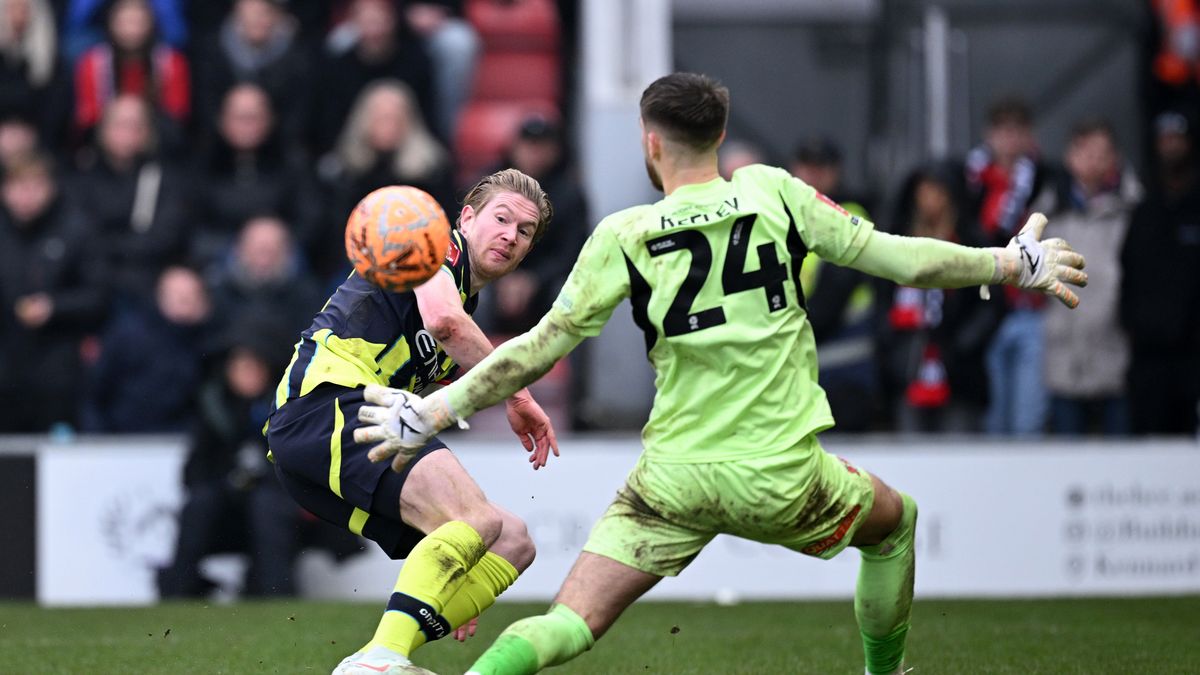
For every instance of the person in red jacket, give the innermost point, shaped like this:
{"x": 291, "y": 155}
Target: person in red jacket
{"x": 131, "y": 61}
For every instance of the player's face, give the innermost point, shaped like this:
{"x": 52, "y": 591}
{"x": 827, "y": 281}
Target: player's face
{"x": 500, "y": 234}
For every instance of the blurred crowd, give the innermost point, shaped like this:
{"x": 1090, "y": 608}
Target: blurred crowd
{"x": 174, "y": 182}
{"x": 175, "y": 179}
{"x": 1126, "y": 361}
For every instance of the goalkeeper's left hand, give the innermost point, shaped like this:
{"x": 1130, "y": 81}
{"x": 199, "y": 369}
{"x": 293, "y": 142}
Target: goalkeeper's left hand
{"x": 1046, "y": 266}
{"x": 401, "y": 422}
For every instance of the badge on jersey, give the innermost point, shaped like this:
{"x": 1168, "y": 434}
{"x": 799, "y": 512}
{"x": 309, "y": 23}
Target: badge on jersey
{"x": 854, "y": 220}
{"x": 453, "y": 253}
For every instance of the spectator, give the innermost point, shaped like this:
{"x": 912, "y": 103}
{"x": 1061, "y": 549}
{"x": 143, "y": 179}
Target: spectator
{"x": 1160, "y": 288}
{"x": 248, "y": 171}
{"x": 81, "y": 31}
{"x": 840, "y": 302}
{"x": 137, "y": 204}
{"x": 32, "y": 77}
{"x": 735, "y": 154}
{"x": 524, "y": 295}
{"x": 932, "y": 340}
{"x": 18, "y": 138}
{"x": 1087, "y": 352}
{"x": 132, "y": 61}
{"x": 385, "y": 142}
{"x": 259, "y": 43}
{"x": 233, "y": 502}
{"x": 265, "y": 273}
{"x": 149, "y": 365}
{"x": 1003, "y": 175}
{"x": 381, "y": 47}
{"x": 453, "y": 47}
{"x": 52, "y": 294}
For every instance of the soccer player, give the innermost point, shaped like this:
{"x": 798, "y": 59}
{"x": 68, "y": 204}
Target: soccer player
{"x": 712, "y": 272}
{"x": 460, "y": 550}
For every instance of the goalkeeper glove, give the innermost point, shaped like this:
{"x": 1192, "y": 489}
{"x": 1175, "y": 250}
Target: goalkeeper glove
{"x": 1046, "y": 266}
{"x": 401, "y": 422}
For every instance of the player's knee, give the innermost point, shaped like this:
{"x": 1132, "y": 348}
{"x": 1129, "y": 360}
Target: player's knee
{"x": 486, "y": 520}
{"x": 515, "y": 545}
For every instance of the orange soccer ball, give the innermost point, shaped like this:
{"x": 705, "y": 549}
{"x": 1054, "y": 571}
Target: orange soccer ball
{"x": 397, "y": 237}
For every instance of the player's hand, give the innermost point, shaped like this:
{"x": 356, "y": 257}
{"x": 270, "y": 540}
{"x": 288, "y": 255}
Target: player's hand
{"x": 530, "y": 423}
{"x": 1046, "y": 266}
{"x": 466, "y": 630}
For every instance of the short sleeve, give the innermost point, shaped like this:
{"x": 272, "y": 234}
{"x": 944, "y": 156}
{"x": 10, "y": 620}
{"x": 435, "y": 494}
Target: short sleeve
{"x": 598, "y": 282}
{"x": 830, "y": 231}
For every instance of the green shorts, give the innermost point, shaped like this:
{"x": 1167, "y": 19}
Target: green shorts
{"x": 805, "y": 499}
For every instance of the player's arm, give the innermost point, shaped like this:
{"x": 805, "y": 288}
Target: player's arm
{"x": 1027, "y": 262}
{"x": 401, "y": 422}
{"x": 848, "y": 240}
{"x": 442, "y": 312}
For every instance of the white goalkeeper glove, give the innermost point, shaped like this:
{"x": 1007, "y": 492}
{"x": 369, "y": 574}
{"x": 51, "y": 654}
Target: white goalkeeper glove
{"x": 1046, "y": 266}
{"x": 401, "y": 422}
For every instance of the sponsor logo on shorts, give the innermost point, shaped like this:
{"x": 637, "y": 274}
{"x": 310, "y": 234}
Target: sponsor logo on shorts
{"x": 833, "y": 539}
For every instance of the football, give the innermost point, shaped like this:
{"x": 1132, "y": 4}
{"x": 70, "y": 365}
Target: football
{"x": 397, "y": 237}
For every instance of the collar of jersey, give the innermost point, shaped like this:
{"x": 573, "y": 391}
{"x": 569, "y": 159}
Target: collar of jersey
{"x": 693, "y": 189}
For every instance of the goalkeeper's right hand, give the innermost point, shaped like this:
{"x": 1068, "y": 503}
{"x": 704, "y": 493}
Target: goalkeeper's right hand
{"x": 1046, "y": 266}
{"x": 402, "y": 422}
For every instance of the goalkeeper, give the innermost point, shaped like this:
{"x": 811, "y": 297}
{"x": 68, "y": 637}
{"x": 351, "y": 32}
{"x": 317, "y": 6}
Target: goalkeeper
{"x": 712, "y": 272}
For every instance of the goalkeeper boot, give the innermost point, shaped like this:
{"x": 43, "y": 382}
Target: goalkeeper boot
{"x": 378, "y": 661}
{"x": 899, "y": 671}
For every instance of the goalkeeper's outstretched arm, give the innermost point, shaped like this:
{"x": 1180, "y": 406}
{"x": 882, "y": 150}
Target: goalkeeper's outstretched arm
{"x": 1027, "y": 262}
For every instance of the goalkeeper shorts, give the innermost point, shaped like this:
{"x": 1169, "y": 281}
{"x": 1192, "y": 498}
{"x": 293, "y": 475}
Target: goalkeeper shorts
{"x": 805, "y": 499}
{"x": 316, "y": 459}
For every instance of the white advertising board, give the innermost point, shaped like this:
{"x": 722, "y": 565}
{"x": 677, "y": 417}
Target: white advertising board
{"x": 997, "y": 519}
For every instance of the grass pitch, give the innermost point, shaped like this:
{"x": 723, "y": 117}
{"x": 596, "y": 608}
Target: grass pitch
{"x": 1140, "y": 635}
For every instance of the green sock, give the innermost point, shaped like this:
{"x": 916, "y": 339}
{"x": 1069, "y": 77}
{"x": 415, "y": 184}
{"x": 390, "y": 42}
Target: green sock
{"x": 883, "y": 598}
{"x": 537, "y": 642}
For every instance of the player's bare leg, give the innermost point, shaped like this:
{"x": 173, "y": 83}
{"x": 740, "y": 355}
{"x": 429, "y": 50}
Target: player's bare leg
{"x": 464, "y": 533}
{"x": 883, "y": 598}
{"x": 595, "y": 593}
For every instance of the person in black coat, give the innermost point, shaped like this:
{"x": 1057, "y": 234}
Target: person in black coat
{"x": 150, "y": 360}
{"x": 382, "y": 47}
{"x": 137, "y": 203}
{"x": 259, "y": 42}
{"x": 53, "y": 293}
{"x": 234, "y": 502}
{"x": 1160, "y": 288}
{"x": 265, "y": 273}
{"x": 248, "y": 171}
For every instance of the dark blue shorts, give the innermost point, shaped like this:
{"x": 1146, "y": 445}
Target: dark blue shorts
{"x": 312, "y": 441}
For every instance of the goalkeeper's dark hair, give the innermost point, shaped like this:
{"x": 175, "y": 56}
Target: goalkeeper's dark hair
{"x": 687, "y": 108}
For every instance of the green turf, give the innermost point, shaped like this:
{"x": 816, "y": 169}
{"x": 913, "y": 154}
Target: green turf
{"x": 1144, "y": 635}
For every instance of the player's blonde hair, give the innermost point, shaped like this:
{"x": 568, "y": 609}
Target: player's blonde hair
{"x": 512, "y": 180}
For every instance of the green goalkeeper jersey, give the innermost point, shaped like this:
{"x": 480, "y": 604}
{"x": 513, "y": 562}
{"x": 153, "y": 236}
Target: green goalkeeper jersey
{"x": 712, "y": 272}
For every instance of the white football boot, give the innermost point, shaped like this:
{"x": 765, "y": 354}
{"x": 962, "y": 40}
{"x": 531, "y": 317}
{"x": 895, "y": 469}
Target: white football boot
{"x": 378, "y": 661}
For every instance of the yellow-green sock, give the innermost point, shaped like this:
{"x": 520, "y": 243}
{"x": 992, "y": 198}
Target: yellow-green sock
{"x": 433, "y": 573}
{"x": 490, "y": 577}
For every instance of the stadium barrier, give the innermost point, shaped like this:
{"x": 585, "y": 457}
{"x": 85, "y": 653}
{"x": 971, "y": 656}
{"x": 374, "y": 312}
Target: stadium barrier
{"x": 1012, "y": 519}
